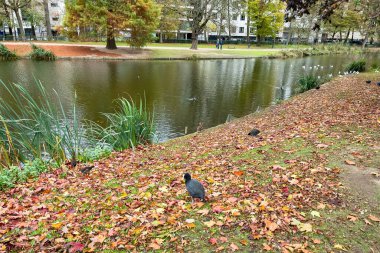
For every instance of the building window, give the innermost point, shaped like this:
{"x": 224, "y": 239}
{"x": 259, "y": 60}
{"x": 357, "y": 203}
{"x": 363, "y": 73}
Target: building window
{"x": 233, "y": 29}
{"x": 55, "y": 18}
{"x": 251, "y": 30}
{"x": 234, "y": 17}
{"x": 54, "y": 4}
{"x": 241, "y": 29}
{"x": 242, "y": 17}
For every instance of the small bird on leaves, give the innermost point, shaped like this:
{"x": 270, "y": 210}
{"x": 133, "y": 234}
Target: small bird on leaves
{"x": 254, "y": 132}
{"x": 368, "y": 81}
{"x": 87, "y": 169}
{"x": 194, "y": 187}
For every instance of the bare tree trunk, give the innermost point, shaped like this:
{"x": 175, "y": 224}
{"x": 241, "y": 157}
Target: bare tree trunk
{"x": 20, "y": 24}
{"x": 47, "y": 19}
{"x": 33, "y": 32}
{"x": 365, "y": 40}
{"x": 161, "y": 37}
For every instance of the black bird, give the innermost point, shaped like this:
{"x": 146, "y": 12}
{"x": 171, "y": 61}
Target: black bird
{"x": 368, "y": 81}
{"x": 73, "y": 163}
{"x": 254, "y": 132}
{"x": 317, "y": 88}
{"x": 87, "y": 169}
{"x": 378, "y": 83}
{"x": 194, "y": 187}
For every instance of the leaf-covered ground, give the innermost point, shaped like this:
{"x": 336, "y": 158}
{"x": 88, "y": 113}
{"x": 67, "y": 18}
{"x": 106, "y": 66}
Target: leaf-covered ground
{"x": 308, "y": 183}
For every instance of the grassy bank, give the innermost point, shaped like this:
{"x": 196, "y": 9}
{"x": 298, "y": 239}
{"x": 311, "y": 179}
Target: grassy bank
{"x": 307, "y": 183}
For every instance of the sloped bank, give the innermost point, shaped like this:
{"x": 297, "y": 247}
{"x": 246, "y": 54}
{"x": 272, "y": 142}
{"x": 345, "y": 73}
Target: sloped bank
{"x": 279, "y": 191}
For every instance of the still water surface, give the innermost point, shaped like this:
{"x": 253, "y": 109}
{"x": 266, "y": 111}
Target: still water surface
{"x": 182, "y": 93}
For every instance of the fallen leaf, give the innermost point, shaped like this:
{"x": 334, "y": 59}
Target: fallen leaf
{"x": 352, "y": 218}
{"x": 76, "y": 247}
{"x": 315, "y": 214}
{"x": 213, "y": 241}
{"x": 238, "y": 173}
{"x": 305, "y": 227}
{"x": 57, "y": 225}
{"x": 267, "y": 247}
{"x": 209, "y": 224}
{"x": 234, "y": 247}
{"x": 154, "y": 246}
{"x": 340, "y": 247}
{"x": 373, "y": 218}
{"x": 190, "y": 220}
{"x": 317, "y": 241}
{"x": 349, "y": 162}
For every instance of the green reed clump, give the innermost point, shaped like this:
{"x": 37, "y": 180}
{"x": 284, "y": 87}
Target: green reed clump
{"x": 356, "y": 66}
{"x": 308, "y": 82}
{"x": 6, "y": 54}
{"x": 129, "y": 126}
{"x": 40, "y": 54}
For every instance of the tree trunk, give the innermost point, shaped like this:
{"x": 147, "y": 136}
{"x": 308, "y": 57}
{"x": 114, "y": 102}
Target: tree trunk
{"x": 229, "y": 20}
{"x": 206, "y": 37}
{"x": 248, "y": 25}
{"x": 33, "y": 32}
{"x": 111, "y": 43}
{"x": 347, "y": 35}
{"x": 161, "y": 37}
{"x": 194, "y": 40}
{"x": 20, "y": 24}
{"x": 47, "y": 19}
{"x": 365, "y": 40}
{"x": 289, "y": 34}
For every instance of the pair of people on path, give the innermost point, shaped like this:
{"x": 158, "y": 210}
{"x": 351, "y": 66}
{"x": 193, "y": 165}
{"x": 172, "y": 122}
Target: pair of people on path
{"x": 219, "y": 44}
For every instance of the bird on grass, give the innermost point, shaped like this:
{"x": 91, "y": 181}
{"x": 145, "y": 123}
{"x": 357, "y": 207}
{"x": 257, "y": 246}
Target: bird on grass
{"x": 378, "y": 83}
{"x": 368, "y": 81}
{"x": 194, "y": 187}
{"x": 87, "y": 169}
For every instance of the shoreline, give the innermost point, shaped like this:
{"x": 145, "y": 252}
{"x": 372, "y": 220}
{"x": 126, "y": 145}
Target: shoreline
{"x": 124, "y": 53}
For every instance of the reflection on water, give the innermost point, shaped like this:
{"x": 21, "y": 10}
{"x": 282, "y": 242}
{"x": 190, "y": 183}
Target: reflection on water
{"x": 182, "y": 93}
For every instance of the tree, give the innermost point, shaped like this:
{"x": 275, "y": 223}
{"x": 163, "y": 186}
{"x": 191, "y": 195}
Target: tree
{"x": 298, "y": 8}
{"x": 198, "y": 13}
{"x": 370, "y": 18}
{"x": 266, "y": 16}
{"x": 16, "y": 6}
{"x": 34, "y": 16}
{"x": 114, "y": 17}
{"x": 169, "y": 19}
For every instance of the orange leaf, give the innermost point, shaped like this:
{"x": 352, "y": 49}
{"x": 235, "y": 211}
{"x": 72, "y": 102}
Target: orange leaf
{"x": 213, "y": 241}
{"x": 267, "y": 247}
{"x": 238, "y": 173}
{"x": 373, "y": 218}
{"x": 352, "y": 218}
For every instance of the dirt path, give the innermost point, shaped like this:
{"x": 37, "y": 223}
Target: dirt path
{"x": 293, "y": 188}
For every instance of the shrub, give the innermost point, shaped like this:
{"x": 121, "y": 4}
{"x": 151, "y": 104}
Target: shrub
{"x": 40, "y": 54}
{"x": 6, "y": 54}
{"x": 308, "y": 82}
{"x": 356, "y": 66}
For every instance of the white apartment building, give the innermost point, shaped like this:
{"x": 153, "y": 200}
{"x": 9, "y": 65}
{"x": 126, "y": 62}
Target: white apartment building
{"x": 56, "y": 13}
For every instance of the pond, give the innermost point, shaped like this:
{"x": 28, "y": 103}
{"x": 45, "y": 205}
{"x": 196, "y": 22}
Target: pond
{"x": 183, "y": 94}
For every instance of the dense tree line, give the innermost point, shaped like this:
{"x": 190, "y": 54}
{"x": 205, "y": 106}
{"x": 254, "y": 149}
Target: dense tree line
{"x": 137, "y": 20}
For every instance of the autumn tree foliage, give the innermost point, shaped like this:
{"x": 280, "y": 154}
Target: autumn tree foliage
{"x": 267, "y": 17}
{"x": 112, "y": 18}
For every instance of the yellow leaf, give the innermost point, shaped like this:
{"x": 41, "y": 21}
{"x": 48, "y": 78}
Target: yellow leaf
{"x": 340, "y": 247}
{"x": 57, "y": 225}
{"x": 305, "y": 227}
{"x": 123, "y": 195}
{"x": 190, "y": 225}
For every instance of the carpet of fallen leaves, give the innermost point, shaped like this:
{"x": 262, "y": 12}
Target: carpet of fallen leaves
{"x": 264, "y": 193}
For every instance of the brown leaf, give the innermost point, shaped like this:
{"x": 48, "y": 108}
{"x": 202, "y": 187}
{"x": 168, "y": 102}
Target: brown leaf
{"x": 349, "y": 162}
{"x": 373, "y": 218}
{"x": 352, "y": 218}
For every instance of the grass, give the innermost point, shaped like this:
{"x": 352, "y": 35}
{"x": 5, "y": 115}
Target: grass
{"x": 40, "y": 54}
{"x": 320, "y": 50}
{"x": 6, "y": 54}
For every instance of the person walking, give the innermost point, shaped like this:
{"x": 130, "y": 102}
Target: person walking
{"x": 221, "y": 44}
